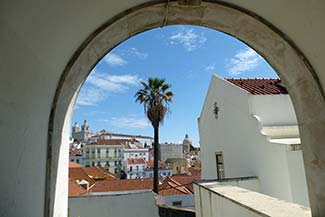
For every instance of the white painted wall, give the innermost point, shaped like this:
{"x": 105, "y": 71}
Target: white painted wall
{"x": 38, "y": 38}
{"x": 245, "y": 150}
{"x": 114, "y": 205}
{"x": 229, "y": 201}
{"x": 274, "y": 109}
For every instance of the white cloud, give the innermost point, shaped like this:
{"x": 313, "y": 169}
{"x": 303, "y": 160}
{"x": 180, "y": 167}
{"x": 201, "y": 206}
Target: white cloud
{"x": 134, "y": 51}
{"x": 128, "y": 122}
{"x": 188, "y": 38}
{"x": 99, "y": 85}
{"x": 113, "y": 83}
{"x": 210, "y": 68}
{"x": 245, "y": 60}
{"x": 114, "y": 59}
{"x": 89, "y": 96}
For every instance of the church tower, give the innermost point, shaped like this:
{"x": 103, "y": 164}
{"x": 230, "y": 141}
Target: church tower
{"x": 186, "y": 144}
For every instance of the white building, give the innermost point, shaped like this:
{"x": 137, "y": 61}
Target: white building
{"x": 134, "y": 168}
{"x": 145, "y": 141}
{"x": 135, "y": 150}
{"x": 248, "y": 127}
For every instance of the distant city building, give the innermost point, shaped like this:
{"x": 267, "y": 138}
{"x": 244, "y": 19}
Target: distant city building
{"x": 171, "y": 151}
{"x": 145, "y": 141}
{"x": 134, "y": 168}
{"x": 177, "y": 165}
{"x": 107, "y": 153}
{"x": 75, "y": 155}
{"x": 135, "y": 150}
{"x": 186, "y": 144}
{"x": 162, "y": 170}
{"x": 82, "y": 134}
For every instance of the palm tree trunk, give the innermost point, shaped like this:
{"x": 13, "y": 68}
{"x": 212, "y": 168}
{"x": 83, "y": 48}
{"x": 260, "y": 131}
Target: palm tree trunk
{"x": 155, "y": 162}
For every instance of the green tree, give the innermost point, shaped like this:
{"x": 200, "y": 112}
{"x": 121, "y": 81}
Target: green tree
{"x": 155, "y": 96}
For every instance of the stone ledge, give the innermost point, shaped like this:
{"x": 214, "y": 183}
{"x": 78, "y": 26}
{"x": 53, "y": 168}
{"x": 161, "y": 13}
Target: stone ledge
{"x": 258, "y": 203}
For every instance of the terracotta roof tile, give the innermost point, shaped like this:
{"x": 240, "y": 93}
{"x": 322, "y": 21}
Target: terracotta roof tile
{"x": 74, "y": 165}
{"x": 136, "y": 161}
{"x": 259, "y": 86}
{"x": 194, "y": 171}
{"x": 75, "y": 189}
{"x": 123, "y": 185}
{"x": 149, "y": 163}
{"x": 111, "y": 142}
{"x": 75, "y": 152}
{"x": 182, "y": 184}
{"x": 79, "y": 174}
{"x": 98, "y": 173}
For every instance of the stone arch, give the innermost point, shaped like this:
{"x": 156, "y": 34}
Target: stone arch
{"x": 289, "y": 62}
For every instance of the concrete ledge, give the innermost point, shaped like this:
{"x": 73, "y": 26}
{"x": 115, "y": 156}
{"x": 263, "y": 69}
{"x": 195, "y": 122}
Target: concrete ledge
{"x": 252, "y": 203}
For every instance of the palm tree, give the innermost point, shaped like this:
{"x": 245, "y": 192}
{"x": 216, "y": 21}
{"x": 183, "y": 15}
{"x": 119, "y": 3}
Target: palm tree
{"x": 155, "y": 97}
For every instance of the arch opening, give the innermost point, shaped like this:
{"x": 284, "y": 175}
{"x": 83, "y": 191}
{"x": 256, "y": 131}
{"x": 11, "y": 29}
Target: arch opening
{"x": 284, "y": 57}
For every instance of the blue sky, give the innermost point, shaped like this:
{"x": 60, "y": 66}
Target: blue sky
{"x": 186, "y": 56}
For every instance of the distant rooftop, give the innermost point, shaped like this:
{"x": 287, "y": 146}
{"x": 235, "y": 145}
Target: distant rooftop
{"x": 112, "y": 142}
{"x": 260, "y": 86}
{"x": 136, "y": 161}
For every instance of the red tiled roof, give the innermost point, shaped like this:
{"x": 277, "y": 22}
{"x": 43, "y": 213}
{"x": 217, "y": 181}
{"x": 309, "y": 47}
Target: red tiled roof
{"x": 123, "y": 185}
{"x": 194, "y": 171}
{"x": 75, "y": 152}
{"x": 78, "y": 173}
{"x": 136, "y": 161}
{"x": 74, "y": 165}
{"x": 149, "y": 163}
{"x": 98, "y": 173}
{"x": 181, "y": 184}
{"x": 111, "y": 142}
{"x": 259, "y": 86}
{"x": 75, "y": 189}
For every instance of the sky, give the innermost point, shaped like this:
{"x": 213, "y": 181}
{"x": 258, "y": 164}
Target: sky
{"x": 186, "y": 56}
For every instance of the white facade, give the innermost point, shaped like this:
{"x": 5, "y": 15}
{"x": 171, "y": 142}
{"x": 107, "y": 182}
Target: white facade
{"x": 134, "y": 168}
{"x": 145, "y": 141}
{"x": 162, "y": 172}
{"x": 136, "y": 152}
{"x": 257, "y": 135}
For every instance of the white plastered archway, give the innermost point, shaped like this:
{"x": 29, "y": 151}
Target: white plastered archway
{"x": 290, "y": 64}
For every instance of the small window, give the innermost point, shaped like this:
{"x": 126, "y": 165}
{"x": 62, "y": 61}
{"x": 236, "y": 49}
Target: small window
{"x": 93, "y": 163}
{"x": 177, "y": 203}
{"x": 77, "y": 160}
{"x": 220, "y": 165}
{"x": 98, "y": 150}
